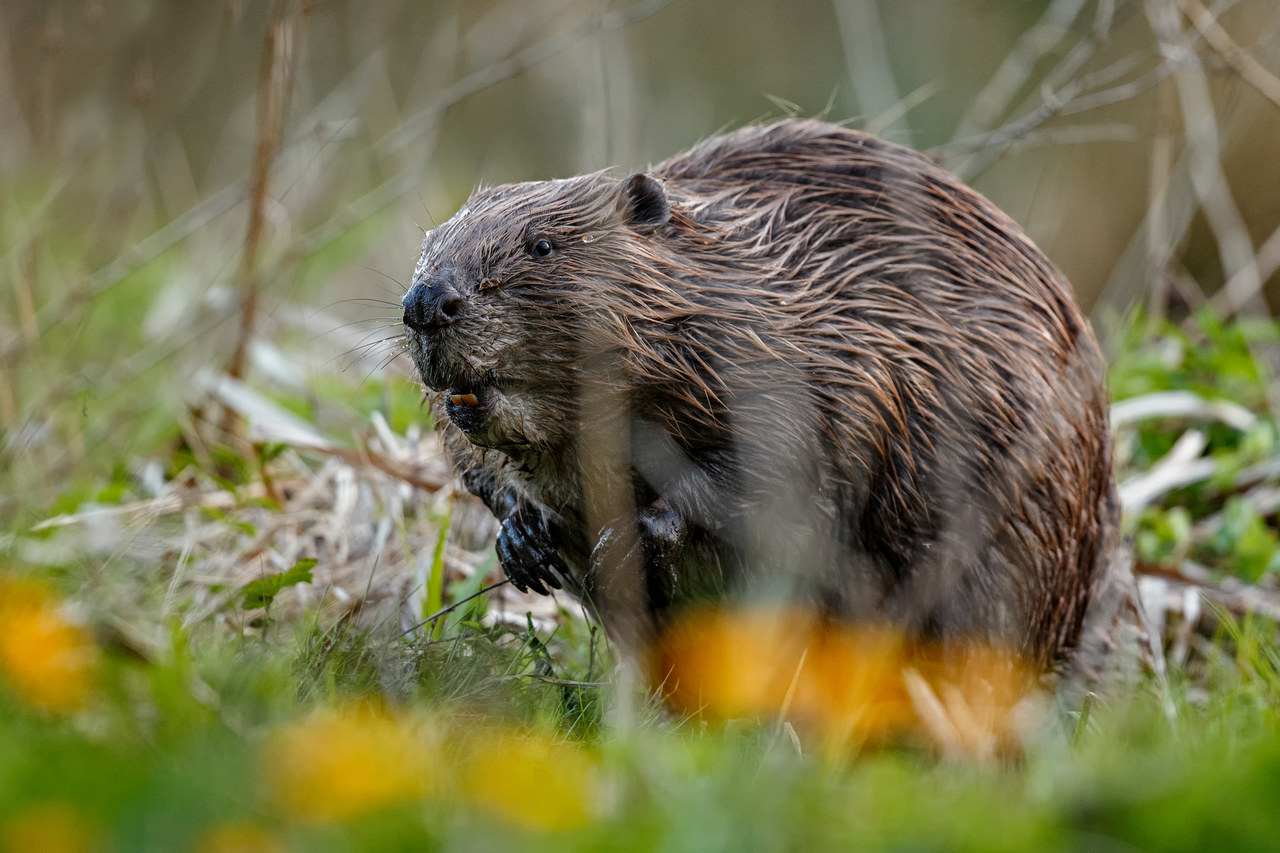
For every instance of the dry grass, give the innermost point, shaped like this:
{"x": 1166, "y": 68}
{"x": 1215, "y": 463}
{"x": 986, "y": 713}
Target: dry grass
{"x": 185, "y": 410}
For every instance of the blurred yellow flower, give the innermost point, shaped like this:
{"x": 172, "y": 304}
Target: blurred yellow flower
{"x": 239, "y": 838}
{"x": 852, "y": 688}
{"x": 531, "y": 781}
{"x": 726, "y": 664}
{"x": 50, "y": 662}
{"x": 844, "y": 684}
{"x": 335, "y": 766}
{"x": 49, "y": 827}
{"x": 967, "y": 697}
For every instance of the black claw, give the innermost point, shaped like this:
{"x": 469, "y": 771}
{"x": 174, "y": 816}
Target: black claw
{"x": 527, "y": 550}
{"x": 503, "y": 547}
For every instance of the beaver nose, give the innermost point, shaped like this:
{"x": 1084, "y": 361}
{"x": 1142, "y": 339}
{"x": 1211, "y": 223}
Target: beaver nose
{"x": 432, "y": 304}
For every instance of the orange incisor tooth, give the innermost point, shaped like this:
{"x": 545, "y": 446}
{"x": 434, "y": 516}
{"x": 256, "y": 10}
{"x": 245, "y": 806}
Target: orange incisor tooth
{"x": 464, "y": 400}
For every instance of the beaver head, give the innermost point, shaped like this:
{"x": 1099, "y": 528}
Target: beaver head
{"x": 476, "y": 314}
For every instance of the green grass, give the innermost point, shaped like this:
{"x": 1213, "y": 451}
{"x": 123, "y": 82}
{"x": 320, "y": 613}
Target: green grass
{"x": 207, "y": 721}
{"x": 178, "y": 743}
{"x": 170, "y": 680}
{"x": 175, "y": 749}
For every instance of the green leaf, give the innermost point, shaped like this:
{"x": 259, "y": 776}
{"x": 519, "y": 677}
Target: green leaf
{"x": 262, "y": 591}
{"x": 270, "y": 451}
{"x": 435, "y": 583}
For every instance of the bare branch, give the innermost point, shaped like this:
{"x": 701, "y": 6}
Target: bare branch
{"x": 1249, "y": 69}
{"x": 993, "y": 101}
{"x": 1204, "y": 147}
{"x": 1266, "y": 263}
{"x": 274, "y": 79}
{"x": 532, "y": 55}
{"x": 1160, "y": 241}
{"x": 1181, "y": 404}
{"x": 1181, "y": 466}
{"x": 1061, "y": 87}
{"x": 867, "y": 59}
{"x": 227, "y": 198}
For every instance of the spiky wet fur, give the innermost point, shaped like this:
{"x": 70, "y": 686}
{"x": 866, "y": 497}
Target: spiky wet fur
{"x": 855, "y": 380}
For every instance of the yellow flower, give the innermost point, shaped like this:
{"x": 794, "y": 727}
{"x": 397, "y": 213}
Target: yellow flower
{"x": 967, "y": 697}
{"x": 852, "y": 688}
{"x": 727, "y": 664}
{"x": 50, "y": 827}
{"x": 531, "y": 781}
{"x": 335, "y": 766}
{"x": 49, "y": 661}
{"x": 845, "y": 684}
{"x": 239, "y": 838}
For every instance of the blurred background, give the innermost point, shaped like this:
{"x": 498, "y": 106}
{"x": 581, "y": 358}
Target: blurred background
{"x": 222, "y": 507}
{"x": 146, "y": 110}
{"x": 166, "y": 166}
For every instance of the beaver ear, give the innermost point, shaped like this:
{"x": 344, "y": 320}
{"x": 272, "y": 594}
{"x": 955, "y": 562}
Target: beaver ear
{"x": 642, "y": 203}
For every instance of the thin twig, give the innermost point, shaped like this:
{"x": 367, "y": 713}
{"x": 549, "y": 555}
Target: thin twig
{"x": 1237, "y": 597}
{"x": 274, "y": 80}
{"x": 535, "y": 54}
{"x": 559, "y": 682}
{"x": 1204, "y": 145}
{"x": 1160, "y": 245}
{"x": 866, "y": 58}
{"x": 1249, "y": 69}
{"x": 993, "y": 101}
{"x": 144, "y": 252}
{"x": 1266, "y": 263}
{"x": 1062, "y": 86}
{"x": 454, "y": 606}
{"x": 224, "y": 200}
{"x": 1209, "y": 180}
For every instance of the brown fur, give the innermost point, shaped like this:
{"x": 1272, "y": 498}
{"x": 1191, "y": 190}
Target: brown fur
{"x": 844, "y": 376}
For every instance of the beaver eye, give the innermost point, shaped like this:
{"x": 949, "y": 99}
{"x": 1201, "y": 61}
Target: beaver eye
{"x": 541, "y": 248}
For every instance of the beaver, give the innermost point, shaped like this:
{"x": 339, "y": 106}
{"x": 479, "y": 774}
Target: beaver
{"x": 796, "y": 361}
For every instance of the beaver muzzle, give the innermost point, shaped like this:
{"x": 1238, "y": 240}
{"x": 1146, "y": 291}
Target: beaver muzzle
{"x": 432, "y": 304}
{"x": 432, "y": 308}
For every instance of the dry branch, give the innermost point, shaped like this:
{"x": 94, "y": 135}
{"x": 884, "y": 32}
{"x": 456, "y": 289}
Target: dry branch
{"x": 275, "y": 78}
{"x": 1181, "y": 404}
{"x": 993, "y": 101}
{"x": 534, "y": 54}
{"x": 1181, "y": 466}
{"x": 1063, "y": 86}
{"x": 1249, "y": 69}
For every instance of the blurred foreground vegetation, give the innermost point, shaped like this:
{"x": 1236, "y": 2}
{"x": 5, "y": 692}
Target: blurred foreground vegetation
{"x": 241, "y": 607}
{"x": 129, "y": 726}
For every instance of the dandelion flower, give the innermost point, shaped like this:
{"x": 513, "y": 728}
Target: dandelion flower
{"x": 531, "y": 781}
{"x": 50, "y": 827}
{"x": 45, "y": 658}
{"x": 335, "y": 766}
{"x": 239, "y": 838}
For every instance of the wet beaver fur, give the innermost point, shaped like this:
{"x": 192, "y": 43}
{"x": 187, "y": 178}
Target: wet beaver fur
{"x": 795, "y": 362}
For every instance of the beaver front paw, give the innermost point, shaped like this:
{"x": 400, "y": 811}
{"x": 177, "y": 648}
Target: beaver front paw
{"x": 528, "y": 552}
{"x": 637, "y": 554}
